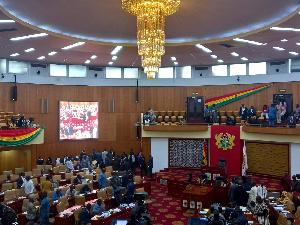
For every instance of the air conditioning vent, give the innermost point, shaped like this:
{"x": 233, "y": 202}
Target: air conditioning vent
{"x": 38, "y": 65}
{"x": 96, "y": 68}
{"x": 8, "y": 29}
{"x": 227, "y": 46}
{"x": 295, "y": 70}
{"x": 277, "y": 63}
{"x": 201, "y": 68}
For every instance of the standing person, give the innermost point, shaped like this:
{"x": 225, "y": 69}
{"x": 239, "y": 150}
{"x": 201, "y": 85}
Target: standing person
{"x": 98, "y": 207}
{"x": 285, "y": 182}
{"x": 262, "y": 190}
{"x": 232, "y": 190}
{"x": 86, "y": 215}
{"x": 252, "y": 111}
{"x": 132, "y": 161}
{"x": 243, "y": 112}
{"x": 45, "y": 208}
{"x": 152, "y": 116}
{"x": 261, "y": 211}
{"x": 150, "y": 165}
{"x": 104, "y": 153}
{"x": 115, "y": 180}
{"x": 215, "y": 113}
{"x": 294, "y": 183}
{"x": 207, "y": 114}
{"x": 143, "y": 165}
{"x": 46, "y": 185}
{"x": 102, "y": 180}
{"x": 278, "y": 112}
{"x": 265, "y": 112}
{"x": 28, "y": 186}
{"x": 272, "y": 114}
{"x": 40, "y": 161}
{"x": 85, "y": 162}
{"x": 98, "y": 158}
{"x": 112, "y": 152}
{"x": 81, "y": 154}
{"x": 297, "y": 111}
{"x": 130, "y": 191}
{"x": 31, "y": 210}
{"x": 240, "y": 195}
{"x": 93, "y": 155}
{"x": 252, "y": 193}
{"x": 69, "y": 165}
{"x": 20, "y": 180}
{"x": 283, "y": 110}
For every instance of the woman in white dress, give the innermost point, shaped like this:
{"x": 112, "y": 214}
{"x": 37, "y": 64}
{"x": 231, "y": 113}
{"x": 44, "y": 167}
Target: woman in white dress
{"x": 252, "y": 193}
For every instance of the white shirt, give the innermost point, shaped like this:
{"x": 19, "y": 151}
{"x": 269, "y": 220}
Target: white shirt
{"x": 69, "y": 165}
{"x": 28, "y": 187}
{"x": 252, "y": 195}
{"x": 262, "y": 191}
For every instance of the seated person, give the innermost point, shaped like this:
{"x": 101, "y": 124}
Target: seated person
{"x": 85, "y": 189}
{"x": 137, "y": 211}
{"x": 251, "y": 112}
{"x": 71, "y": 192}
{"x": 292, "y": 121}
{"x": 229, "y": 121}
{"x": 265, "y": 112}
{"x": 202, "y": 179}
{"x": 56, "y": 195}
{"x": 54, "y": 185}
{"x": 86, "y": 215}
{"x": 98, "y": 207}
{"x": 77, "y": 166}
{"x": 77, "y": 180}
{"x": 40, "y": 161}
{"x": 130, "y": 191}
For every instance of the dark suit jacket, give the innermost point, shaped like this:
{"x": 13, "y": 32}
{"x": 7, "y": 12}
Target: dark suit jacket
{"x": 243, "y": 115}
{"x": 150, "y": 163}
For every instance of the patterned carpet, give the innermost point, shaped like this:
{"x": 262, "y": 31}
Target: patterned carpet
{"x": 165, "y": 209}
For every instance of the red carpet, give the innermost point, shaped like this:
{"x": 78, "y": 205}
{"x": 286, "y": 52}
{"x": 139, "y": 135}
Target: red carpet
{"x": 165, "y": 209}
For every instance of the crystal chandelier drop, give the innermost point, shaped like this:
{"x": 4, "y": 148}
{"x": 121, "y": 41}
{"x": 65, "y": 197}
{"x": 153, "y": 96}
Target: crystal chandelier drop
{"x": 151, "y": 29}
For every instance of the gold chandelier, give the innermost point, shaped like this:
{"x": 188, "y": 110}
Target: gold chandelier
{"x": 151, "y": 29}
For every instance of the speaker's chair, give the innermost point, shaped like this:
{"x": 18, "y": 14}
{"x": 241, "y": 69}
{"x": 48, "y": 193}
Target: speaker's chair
{"x": 222, "y": 162}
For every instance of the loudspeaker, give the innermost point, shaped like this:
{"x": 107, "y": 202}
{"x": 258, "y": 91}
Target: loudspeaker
{"x": 15, "y": 93}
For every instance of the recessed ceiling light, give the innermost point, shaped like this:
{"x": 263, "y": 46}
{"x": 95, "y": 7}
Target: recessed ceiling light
{"x": 87, "y": 61}
{"x": 41, "y": 57}
{"x": 28, "y": 36}
{"x": 93, "y": 57}
{"x": 7, "y": 21}
{"x": 285, "y": 29}
{"x": 73, "y": 45}
{"x": 279, "y": 48}
{"x": 116, "y": 50}
{"x": 234, "y": 54}
{"x": 114, "y": 57}
{"x": 284, "y": 40}
{"x": 297, "y": 43}
{"x": 52, "y": 53}
{"x": 173, "y": 58}
{"x": 203, "y": 48}
{"x": 294, "y": 53}
{"x": 29, "y": 50}
{"x": 175, "y": 63}
{"x": 214, "y": 56}
{"x": 249, "y": 42}
{"x": 15, "y": 54}
{"x": 220, "y": 60}
{"x": 110, "y": 63}
{"x": 244, "y": 58}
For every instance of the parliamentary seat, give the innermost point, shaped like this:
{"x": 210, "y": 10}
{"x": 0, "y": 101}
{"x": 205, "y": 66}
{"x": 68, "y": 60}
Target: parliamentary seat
{"x": 56, "y": 178}
{"x": 101, "y": 193}
{"x": 222, "y": 113}
{"x": 109, "y": 169}
{"x": 108, "y": 174}
{"x": 7, "y": 186}
{"x": 29, "y": 173}
{"x": 77, "y": 213}
{"x": 56, "y": 169}
{"x": 156, "y": 113}
{"x": 173, "y": 119}
{"x": 24, "y": 205}
{"x": 7, "y": 172}
{"x": 236, "y": 113}
{"x": 169, "y": 113}
{"x": 19, "y": 170}
{"x": 40, "y": 167}
{"x": 49, "y": 194}
{"x": 238, "y": 119}
{"x": 79, "y": 200}
{"x": 167, "y": 119}
{"x": 20, "y": 192}
{"x": 162, "y": 113}
{"x": 89, "y": 176}
{"x": 223, "y": 119}
{"x": 137, "y": 179}
{"x": 229, "y": 113}
{"x": 139, "y": 190}
{"x": 159, "y": 119}
{"x": 79, "y": 186}
{"x": 9, "y": 194}
{"x": 258, "y": 113}
{"x": 62, "y": 168}
{"x": 176, "y": 113}
{"x": 297, "y": 214}
{"x": 3, "y": 178}
{"x": 98, "y": 171}
{"x": 64, "y": 201}
{"x": 109, "y": 191}
{"x": 48, "y": 167}
{"x": 182, "y": 113}
{"x": 290, "y": 206}
{"x": 14, "y": 177}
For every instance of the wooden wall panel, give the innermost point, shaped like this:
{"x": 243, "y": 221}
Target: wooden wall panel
{"x": 117, "y": 129}
{"x": 9, "y": 160}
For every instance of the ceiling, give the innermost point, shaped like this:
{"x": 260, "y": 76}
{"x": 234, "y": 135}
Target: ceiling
{"x": 103, "y": 25}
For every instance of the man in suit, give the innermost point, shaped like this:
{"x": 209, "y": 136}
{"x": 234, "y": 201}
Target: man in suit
{"x": 130, "y": 191}
{"x": 243, "y": 112}
{"x": 150, "y": 165}
{"x": 240, "y": 195}
{"x": 272, "y": 115}
{"x": 207, "y": 114}
{"x": 20, "y": 180}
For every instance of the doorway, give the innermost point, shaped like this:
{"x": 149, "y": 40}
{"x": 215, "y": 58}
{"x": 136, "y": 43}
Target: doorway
{"x": 195, "y": 109}
{"x": 288, "y": 99}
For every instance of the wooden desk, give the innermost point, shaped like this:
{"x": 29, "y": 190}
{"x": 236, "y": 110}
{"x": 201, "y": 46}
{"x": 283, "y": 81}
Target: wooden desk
{"x": 123, "y": 214}
{"x": 198, "y": 194}
{"x": 146, "y": 186}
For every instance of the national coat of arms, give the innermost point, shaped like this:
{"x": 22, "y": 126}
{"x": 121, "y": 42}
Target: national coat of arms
{"x": 225, "y": 141}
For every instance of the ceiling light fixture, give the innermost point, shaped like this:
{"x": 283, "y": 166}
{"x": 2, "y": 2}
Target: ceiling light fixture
{"x": 28, "y": 36}
{"x": 234, "y": 54}
{"x": 214, "y": 56}
{"x": 203, "y": 48}
{"x": 284, "y": 40}
{"x": 249, "y": 42}
{"x": 29, "y": 50}
{"x": 93, "y": 57}
{"x": 15, "y": 54}
{"x": 279, "y": 48}
{"x": 73, "y": 45}
{"x": 297, "y": 43}
{"x": 220, "y": 61}
{"x": 285, "y": 29}
{"x": 7, "y": 21}
{"x": 173, "y": 58}
{"x": 151, "y": 29}
{"x": 52, "y": 53}
{"x": 244, "y": 58}
{"x": 294, "y": 53}
{"x": 41, "y": 57}
{"x": 175, "y": 63}
{"x": 110, "y": 63}
{"x": 116, "y": 50}
{"x": 114, "y": 57}
{"x": 87, "y": 61}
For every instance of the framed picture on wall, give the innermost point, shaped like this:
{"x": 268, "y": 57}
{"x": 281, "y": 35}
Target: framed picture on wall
{"x": 199, "y": 205}
{"x": 192, "y": 204}
{"x": 208, "y": 176}
{"x": 185, "y": 203}
{"x": 216, "y": 175}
